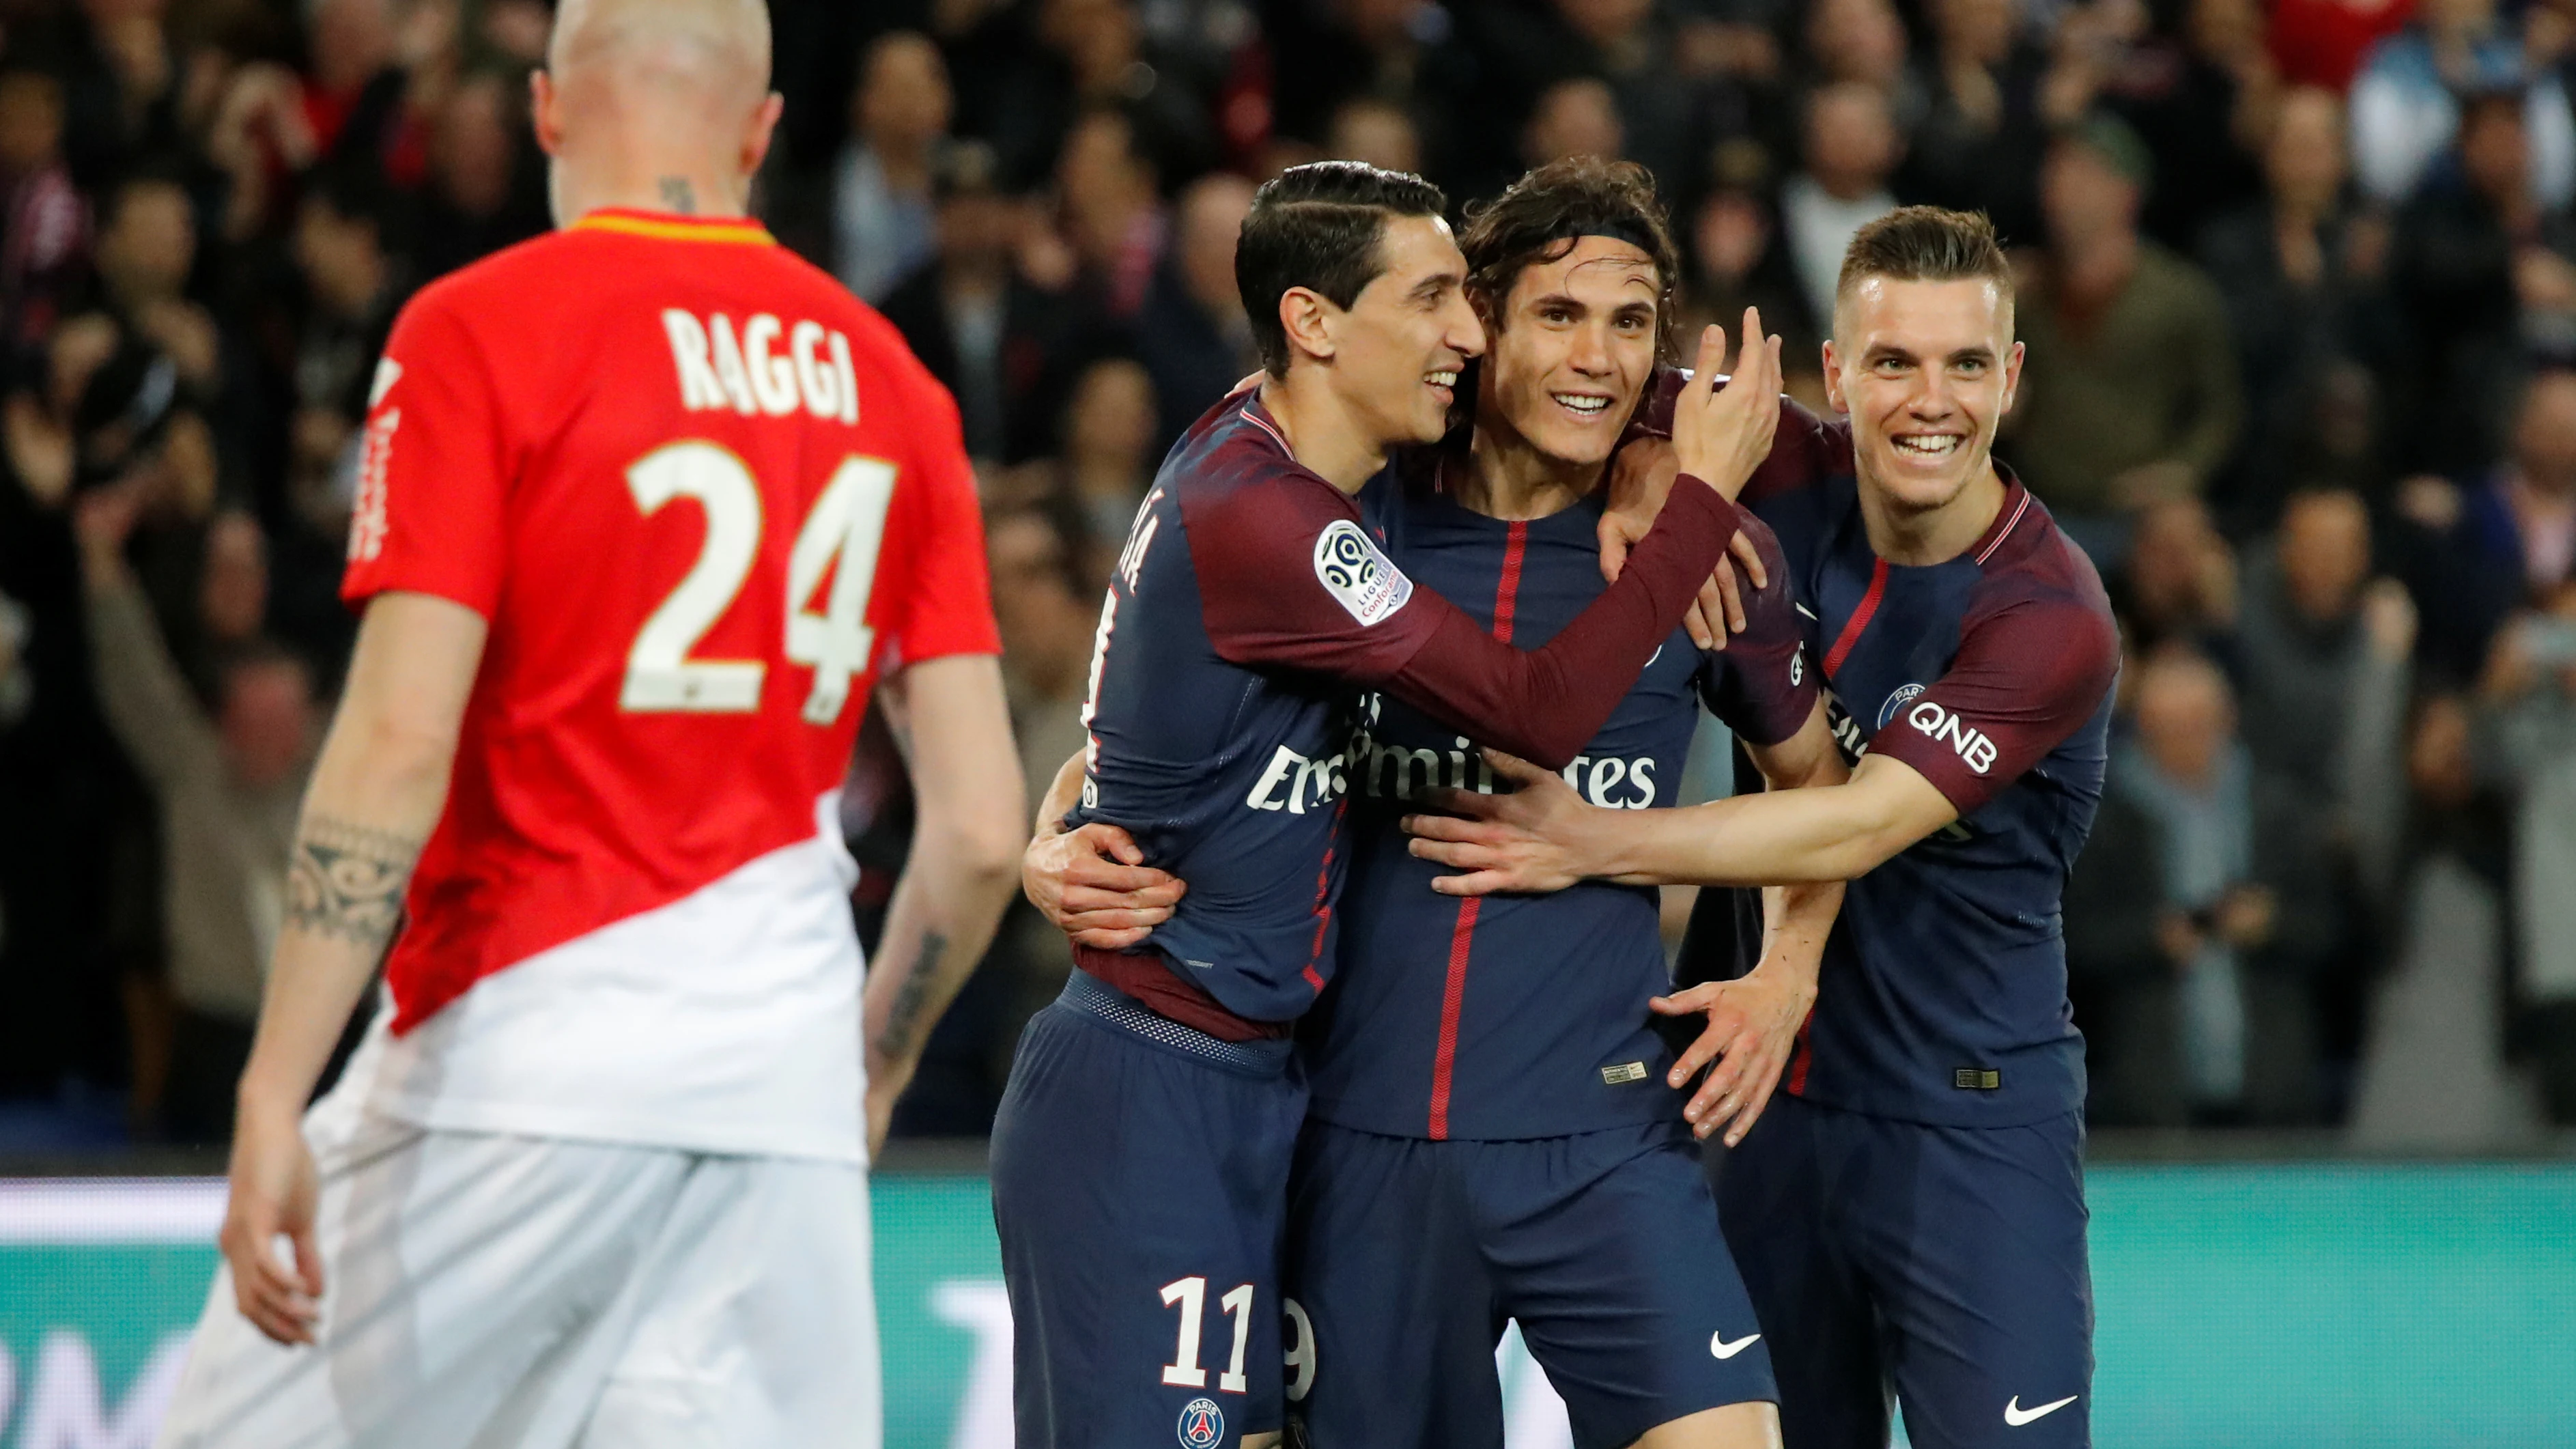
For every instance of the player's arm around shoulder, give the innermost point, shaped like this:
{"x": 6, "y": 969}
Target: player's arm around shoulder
{"x": 377, "y": 791}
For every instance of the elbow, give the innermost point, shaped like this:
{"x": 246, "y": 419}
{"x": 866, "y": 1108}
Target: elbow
{"x": 1549, "y": 749}
{"x": 405, "y": 749}
{"x": 981, "y": 846}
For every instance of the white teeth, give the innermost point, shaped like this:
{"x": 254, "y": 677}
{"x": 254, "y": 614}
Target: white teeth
{"x": 1580, "y": 402}
{"x": 1930, "y": 447}
{"x": 1441, "y": 379}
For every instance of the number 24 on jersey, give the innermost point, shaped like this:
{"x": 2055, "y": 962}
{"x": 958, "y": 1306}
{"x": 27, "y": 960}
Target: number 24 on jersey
{"x": 847, "y": 523}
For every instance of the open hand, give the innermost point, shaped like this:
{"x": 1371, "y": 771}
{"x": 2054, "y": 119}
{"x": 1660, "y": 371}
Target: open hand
{"x": 1538, "y": 838}
{"x": 1753, "y": 1024}
{"x": 1093, "y": 884}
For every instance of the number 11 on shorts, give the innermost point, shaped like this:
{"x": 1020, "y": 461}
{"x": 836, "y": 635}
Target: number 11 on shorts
{"x": 1183, "y": 1372}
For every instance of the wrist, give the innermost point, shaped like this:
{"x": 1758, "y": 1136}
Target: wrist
{"x": 264, "y": 1097}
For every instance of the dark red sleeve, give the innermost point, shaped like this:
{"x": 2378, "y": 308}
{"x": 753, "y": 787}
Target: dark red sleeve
{"x": 1763, "y": 686}
{"x": 2033, "y": 665}
{"x": 1804, "y": 448}
{"x": 1287, "y": 576}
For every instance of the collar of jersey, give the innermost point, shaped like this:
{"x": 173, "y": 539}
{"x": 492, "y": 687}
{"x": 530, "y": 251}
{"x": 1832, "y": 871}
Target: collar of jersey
{"x": 670, "y": 226}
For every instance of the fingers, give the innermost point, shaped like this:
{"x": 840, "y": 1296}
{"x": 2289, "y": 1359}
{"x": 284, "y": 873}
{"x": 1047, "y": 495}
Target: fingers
{"x": 1712, "y": 361}
{"x": 1100, "y": 875}
{"x": 1730, "y": 597}
{"x": 1111, "y": 918}
{"x": 1613, "y": 533}
{"x": 1112, "y": 940}
{"x": 1466, "y": 855}
{"x": 1471, "y": 803}
{"x": 1702, "y": 1050}
{"x": 1687, "y": 1001}
{"x": 1114, "y": 841}
{"x": 1748, "y": 343}
{"x": 1082, "y": 895}
{"x": 1756, "y": 1100}
{"x": 1475, "y": 883}
{"x": 1695, "y": 618}
{"x": 268, "y": 1293}
{"x": 1748, "y": 557}
{"x": 1515, "y": 769}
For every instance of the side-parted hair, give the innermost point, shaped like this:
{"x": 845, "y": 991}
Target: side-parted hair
{"x": 1927, "y": 244}
{"x": 1540, "y": 217}
{"x": 1318, "y": 226}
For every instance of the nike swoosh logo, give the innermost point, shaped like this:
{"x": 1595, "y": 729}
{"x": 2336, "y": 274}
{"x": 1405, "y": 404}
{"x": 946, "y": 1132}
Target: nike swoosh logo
{"x": 1718, "y": 1345}
{"x": 2016, "y": 1416}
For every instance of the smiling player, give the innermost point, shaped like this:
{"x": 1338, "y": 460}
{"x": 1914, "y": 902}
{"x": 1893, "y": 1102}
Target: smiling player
{"x": 1140, "y": 1157}
{"x": 1911, "y": 1211}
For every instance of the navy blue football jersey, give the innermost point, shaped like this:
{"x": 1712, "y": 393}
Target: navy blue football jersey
{"x": 1522, "y": 1016}
{"x": 1251, "y": 603}
{"x": 1942, "y": 997}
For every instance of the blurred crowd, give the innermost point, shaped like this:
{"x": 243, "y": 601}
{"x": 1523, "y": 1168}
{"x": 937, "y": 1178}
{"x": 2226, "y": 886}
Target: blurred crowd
{"x": 2299, "y": 295}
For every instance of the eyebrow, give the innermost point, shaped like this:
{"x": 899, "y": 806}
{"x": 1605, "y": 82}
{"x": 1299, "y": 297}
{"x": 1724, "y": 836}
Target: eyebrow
{"x": 1437, "y": 283}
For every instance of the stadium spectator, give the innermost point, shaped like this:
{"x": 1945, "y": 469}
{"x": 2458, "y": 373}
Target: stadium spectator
{"x": 974, "y": 318}
{"x": 1851, "y": 146}
{"x": 1737, "y": 261}
{"x": 44, "y": 220}
{"x": 2406, "y": 105}
{"x": 2201, "y": 101}
{"x": 2178, "y": 584}
{"x": 1111, "y": 215}
{"x": 146, "y": 254}
{"x": 1108, "y": 446}
{"x": 2526, "y": 737}
{"x": 2482, "y": 268}
{"x": 2129, "y": 394}
{"x": 881, "y": 201}
{"x": 485, "y": 190}
{"x": 2475, "y": 554}
{"x": 1578, "y": 117}
{"x": 355, "y": 285}
{"x": 1192, "y": 335}
{"x": 227, "y": 787}
{"x": 1978, "y": 145}
{"x": 1379, "y": 132}
{"x": 2325, "y": 653}
{"x": 2299, "y": 307}
{"x": 2250, "y": 913}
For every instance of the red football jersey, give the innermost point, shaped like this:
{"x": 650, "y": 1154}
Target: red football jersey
{"x": 703, "y": 496}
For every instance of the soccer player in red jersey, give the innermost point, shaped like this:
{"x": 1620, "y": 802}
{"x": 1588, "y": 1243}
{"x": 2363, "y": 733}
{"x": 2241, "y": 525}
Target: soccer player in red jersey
{"x": 648, "y": 507}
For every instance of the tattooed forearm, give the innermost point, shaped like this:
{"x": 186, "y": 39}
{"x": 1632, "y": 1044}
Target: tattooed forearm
{"x": 912, "y": 993}
{"x": 347, "y": 881}
{"x": 679, "y": 195}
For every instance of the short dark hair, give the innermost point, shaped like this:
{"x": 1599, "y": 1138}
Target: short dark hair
{"x": 1318, "y": 226}
{"x": 1539, "y": 218}
{"x": 1927, "y": 244}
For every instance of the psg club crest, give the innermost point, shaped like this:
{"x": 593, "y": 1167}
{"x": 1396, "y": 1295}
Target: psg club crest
{"x": 1903, "y": 695}
{"x": 1202, "y": 1424}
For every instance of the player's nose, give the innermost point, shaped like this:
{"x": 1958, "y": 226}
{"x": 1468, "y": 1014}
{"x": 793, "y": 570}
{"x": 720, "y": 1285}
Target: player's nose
{"x": 1460, "y": 330}
{"x": 1590, "y": 355}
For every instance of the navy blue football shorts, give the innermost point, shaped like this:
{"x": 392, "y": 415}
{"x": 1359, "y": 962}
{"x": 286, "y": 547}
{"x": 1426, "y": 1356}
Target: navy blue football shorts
{"x": 1406, "y": 1259}
{"x": 1944, "y": 1265}
{"x": 1140, "y": 1186}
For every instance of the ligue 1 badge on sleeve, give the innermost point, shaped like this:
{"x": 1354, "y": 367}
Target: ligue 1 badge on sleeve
{"x": 1202, "y": 1424}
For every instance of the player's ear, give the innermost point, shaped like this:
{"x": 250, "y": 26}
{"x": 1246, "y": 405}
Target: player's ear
{"x": 755, "y": 141}
{"x": 1308, "y": 320}
{"x": 2012, "y": 376}
{"x": 541, "y": 111}
{"x": 1834, "y": 376}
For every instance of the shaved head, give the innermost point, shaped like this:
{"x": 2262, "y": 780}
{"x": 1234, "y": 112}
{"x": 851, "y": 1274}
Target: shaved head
{"x": 667, "y": 96}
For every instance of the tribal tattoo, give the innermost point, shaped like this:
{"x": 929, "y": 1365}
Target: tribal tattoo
{"x": 347, "y": 881}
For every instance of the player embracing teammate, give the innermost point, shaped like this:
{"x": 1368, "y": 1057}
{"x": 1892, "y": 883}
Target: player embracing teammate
{"x": 1910, "y": 1215}
{"x": 1141, "y": 1158}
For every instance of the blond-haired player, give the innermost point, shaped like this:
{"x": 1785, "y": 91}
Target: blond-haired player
{"x": 647, "y": 508}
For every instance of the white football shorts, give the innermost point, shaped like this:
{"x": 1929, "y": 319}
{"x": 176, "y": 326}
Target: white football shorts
{"x": 485, "y": 1291}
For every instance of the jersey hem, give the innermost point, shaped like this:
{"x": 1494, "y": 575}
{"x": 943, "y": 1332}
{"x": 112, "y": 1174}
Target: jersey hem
{"x": 612, "y": 1127}
{"x": 1318, "y": 1109}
